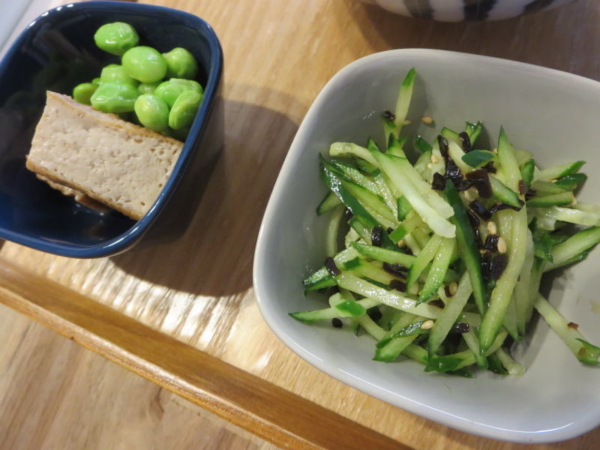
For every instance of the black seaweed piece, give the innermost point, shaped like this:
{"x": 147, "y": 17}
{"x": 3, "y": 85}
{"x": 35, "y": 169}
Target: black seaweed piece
{"x": 388, "y": 115}
{"x": 331, "y": 267}
{"x": 438, "y": 183}
{"x": 390, "y": 230}
{"x": 337, "y": 323}
{"x": 460, "y": 328}
{"x": 437, "y": 303}
{"x": 466, "y": 141}
{"x": 522, "y": 187}
{"x": 486, "y": 262}
{"x": 395, "y": 269}
{"x": 376, "y": 236}
{"x": 530, "y": 194}
{"x": 443, "y": 142}
{"x": 463, "y": 185}
{"x": 498, "y": 265}
{"x": 490, "y": 167}
{"x": 477, "y": 207}
{"x": 478, "y": 239}
{"x": 473, "y": 219}
{"x": 349, "y": 214}
{"x": 491, "y": 243}
{"x": 502, "y": 206}
{"x": 374, "y": 313}
{"x": 453, "y": 172}
{"x": 481, "y": 180}
{"x": 398, "y": 285}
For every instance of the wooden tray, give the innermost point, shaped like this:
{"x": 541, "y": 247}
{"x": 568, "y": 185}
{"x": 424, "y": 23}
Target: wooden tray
{"x": 184, "y": 314}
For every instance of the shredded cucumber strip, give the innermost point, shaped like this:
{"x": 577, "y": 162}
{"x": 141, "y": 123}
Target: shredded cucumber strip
{"x": 583, "y": 350}
{"x": 332, "y": 231}
{"x": 513, "y": 367}
{"x": 449, "y": 315}
{"x": 390, "y": 298}
{"x": 576, "y": 216}
{"x": 423, "y": 260}
{"x": 429, "y": 215}
{"x": 522, "y": 296}
{"x": 439, "y": 267}
{"x": 348, "y": 149}
{"x": 575, "y": 245}
{"x": 502, "y": 293}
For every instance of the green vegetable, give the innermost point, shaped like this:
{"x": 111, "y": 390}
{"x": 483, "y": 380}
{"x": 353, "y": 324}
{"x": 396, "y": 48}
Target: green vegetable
{"x": 170, "y": 90}
{"x": 181, "y": 64}
{"x": 83, "y": 92}
{"x": 114, "y": 73}
{"x": 115, "y": 97}
{"x": 152, "y": 112}
{"x": 144, "y": 64}
{"x": 477, "y": 158}
{"x": 450, "y": 273}
{"x": 116, "y": 38}
{"x": 184, "y": 109}
{"x": 148, "y": 88}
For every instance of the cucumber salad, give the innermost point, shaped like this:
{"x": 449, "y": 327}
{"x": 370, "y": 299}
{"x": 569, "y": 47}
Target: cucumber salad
{"x": 440, "y": 260}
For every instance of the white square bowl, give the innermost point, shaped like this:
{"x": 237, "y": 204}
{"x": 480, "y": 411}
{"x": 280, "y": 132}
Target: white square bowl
{"x": 554, "y": 115}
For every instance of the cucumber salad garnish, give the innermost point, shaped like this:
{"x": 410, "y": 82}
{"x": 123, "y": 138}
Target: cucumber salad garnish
{"x": 440, "y": 258}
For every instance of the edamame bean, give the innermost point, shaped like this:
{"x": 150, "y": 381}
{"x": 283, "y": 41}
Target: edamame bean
{"x": 181, "y": 64}
{"x": 144, "y": 64}
{"x": 184, "y": 109}
{"x": 116, "y": 73}
{"x": 152, "y": 112}
{"x": 83, "y": 92}
{"x": 170, "y": 90}
{"x": 116, "y": 38}
{"x": 148, "y": 88}
{"x": 115, "y": 97}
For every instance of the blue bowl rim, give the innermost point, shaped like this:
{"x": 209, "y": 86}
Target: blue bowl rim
{"x": 137, "y": 231}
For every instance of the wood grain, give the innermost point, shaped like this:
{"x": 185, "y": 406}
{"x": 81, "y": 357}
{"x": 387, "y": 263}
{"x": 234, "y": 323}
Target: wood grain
{"x": 54, "y": 394}
{"x": 278, "y": 55}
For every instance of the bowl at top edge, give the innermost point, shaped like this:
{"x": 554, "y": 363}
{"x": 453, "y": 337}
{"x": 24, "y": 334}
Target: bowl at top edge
{"x": 552, "y": 114}
{"x": 459, "y": 10}
{"x": 56, "y": 52}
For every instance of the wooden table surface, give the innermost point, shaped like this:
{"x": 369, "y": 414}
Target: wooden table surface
{"x": 184, "y": 315}
{"x": 84, "y": 401}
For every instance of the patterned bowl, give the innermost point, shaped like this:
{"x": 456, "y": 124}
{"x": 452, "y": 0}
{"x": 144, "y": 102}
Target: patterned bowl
{"x": 460, "y": 10}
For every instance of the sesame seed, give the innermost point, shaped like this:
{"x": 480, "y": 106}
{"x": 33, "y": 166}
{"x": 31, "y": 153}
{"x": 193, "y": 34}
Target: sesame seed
{"x": 427, "y": 120}
{"x": 492, "y": 228}
{"x": 469, "y": 196}
{"x": 434, "y": 159}
{"x": 495, "y": 150}
{"x": 452, "y": 288}
{"x": 502, "y": 248}
{"x": 401, "y": 243}
{"x": 427, "y": 325}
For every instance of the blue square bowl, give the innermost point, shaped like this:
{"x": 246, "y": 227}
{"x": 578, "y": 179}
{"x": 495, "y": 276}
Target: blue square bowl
{"x": 56, "y": 52}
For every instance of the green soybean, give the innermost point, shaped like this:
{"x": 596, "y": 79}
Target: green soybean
{"x": 83, "y": 92}
{"x": 152, "y": 112}
{"x": 184, "y": 109}
{"x": 148, "y": 88}
{"x": 170, "y": 90}
{"x": 115, "y": 97}
{"x": 181, "y": 64}
{"x": 144, "y": 64}
{"x": 116, "y": 73}
{"x": 116, "y": 38}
